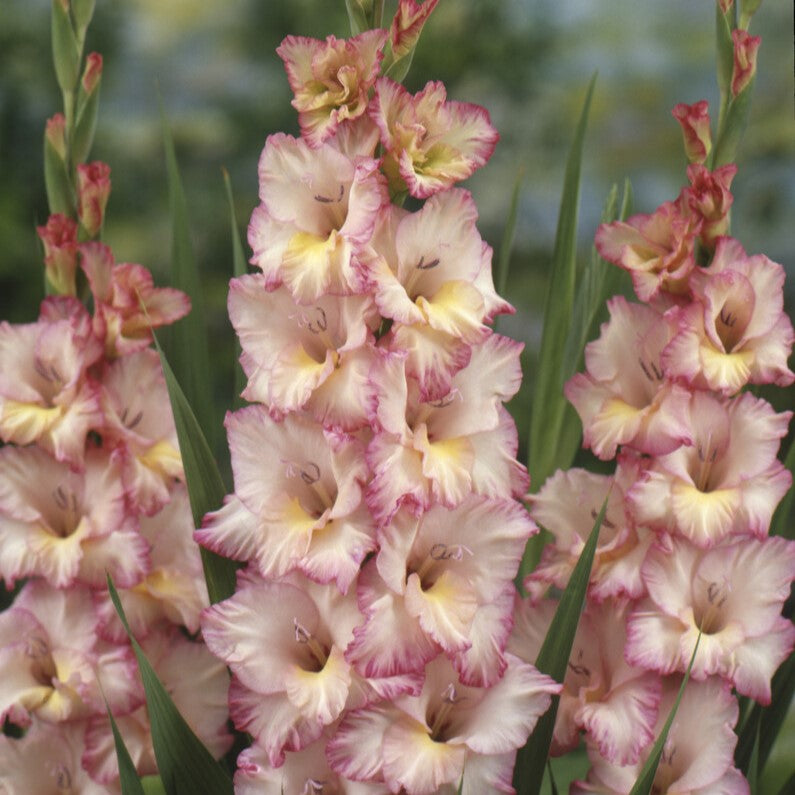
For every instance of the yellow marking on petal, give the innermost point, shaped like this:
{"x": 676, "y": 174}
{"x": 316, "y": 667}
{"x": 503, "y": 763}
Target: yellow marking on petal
{"x": 24, "y": 423}
{"x": 308, "y": 262}
{"x": 162, "y": 457}
{"x": 455, "y": 308}
{"x": 704, "y": 517}
{"x": 726, "y": 370}
{"x": 296, "y": 518}
{"x": 447, "y": 462}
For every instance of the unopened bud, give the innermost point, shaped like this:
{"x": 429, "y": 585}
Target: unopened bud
{"x": 59, "y": 236}
{"x": 407, "y": 25}
{"x": 92, "y": 72}
{"x": 93, "y": 189}
{"x": 695, "y": 123}
{"x": 55, "y": 133}
{"x": 745, "y": 51}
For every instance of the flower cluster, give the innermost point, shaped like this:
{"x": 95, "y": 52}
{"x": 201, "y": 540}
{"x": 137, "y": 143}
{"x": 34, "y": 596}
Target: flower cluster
{"x": 375, "y": 476}
{"x": 684, "y": 550}
{"x": 91, "y": 483}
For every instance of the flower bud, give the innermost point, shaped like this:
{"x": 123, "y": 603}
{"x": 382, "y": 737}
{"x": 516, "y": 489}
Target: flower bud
{"x": 407, "y": 25}
{"x": 93, "y": 189}
{"x": 59, "y": 237}
{"x": 695, "y": 122}
{"x": 745, "y": 51}
{"x": 55, "y": 134}
{"x": 92, "y": 72}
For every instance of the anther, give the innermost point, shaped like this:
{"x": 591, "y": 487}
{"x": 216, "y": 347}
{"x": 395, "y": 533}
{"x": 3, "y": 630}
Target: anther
{"x": 63, "y": 778}
{"x": 422, "y": 266}
{"x": 605, "y": 522}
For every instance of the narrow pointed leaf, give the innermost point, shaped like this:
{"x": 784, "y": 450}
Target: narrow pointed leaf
{"x": 65, "y": 50}
{"x": 783, "y": 524}
{"x": 188, "y": 337}
{"x": 770, "y": 718}
{"x": 185, "y": 765}
{"x": 86, "y": 125}
{"x": 153, "y": 785}
{"x": 130, "y": 783}
{"x": 56, "y": 181}
{"x": 553, "y": 660}
{"x": 206, "y": 488}
{"x": 239, "y": 269}
{"x": 789, "y": 786}
{"x": 549, "y": 404}
{"x": 732, "y": 127}
{"x": 356, "y": 16}
{"x": 645, "y": 780}
{"x": 725, "y": 49}
{"x": 552, "y": 785}
{"x": 752, "y": 773}
{"x": 508, "y": 236}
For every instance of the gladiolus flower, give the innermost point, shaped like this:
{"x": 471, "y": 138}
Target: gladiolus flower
{"x": 736, "y": 330}
{"x": 331, "y": 79}
{"x": 93, "y": 190}
{"x": 59, "y": 237}
{"x": 407, "y": 24}
{"x": 695, "y": 123}
{"x": 431, "y": 143}
{"x": 624, "y": 397}
{"x": 728, "y": 481}
{"x": 318, "y": 210}
{"x": 697, "y": 757}
{"x": 656, "y": 249}
{"x": 733, "y": 593}
{"x": 709, "y": 199}
{"x": 745, "y": 52}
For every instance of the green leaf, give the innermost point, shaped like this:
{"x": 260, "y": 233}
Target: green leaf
{"x": 153, "y": 785}
{"x": 206, "y": 488}
{"x": 552, "y": 785}
{"x": 725, "y": 50}
{"x": 732, "y": 127}
{"x": 185, "y": 765}
{"x": 782, "y": 523}
{"x": 356, "y": 16}
{"x": 789, "y": 786}
{"x": 552, "y": 416}
{"x": 398, "y": 70}
{"x": 130, "y": 783}
{"x": 553, "y": 660}
{"x": 508, "y": 236}
{"x": 645, "y": 780}
{"x": 752, "y": 774}
{"x": 239, "y": 269}
{"x": 188, "y": 337}
{"x": 549, "y": 404}
{"x": 770, "y": 719}
{"x": 82, "y": 11}
{"x": 56, "y": 181}
{"x": 86, "y": 124}
{"x": 65, "y": 49}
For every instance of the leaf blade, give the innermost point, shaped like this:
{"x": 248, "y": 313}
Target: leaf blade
{"x": 553, "y": 660}
{"x": 206, "y": 490}
{"x": 130, "y": 783}
{"x": 184, "y": 764}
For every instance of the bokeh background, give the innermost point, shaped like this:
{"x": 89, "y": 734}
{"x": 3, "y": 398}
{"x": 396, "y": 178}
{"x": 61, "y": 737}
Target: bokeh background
{"x": 527, "y": 61}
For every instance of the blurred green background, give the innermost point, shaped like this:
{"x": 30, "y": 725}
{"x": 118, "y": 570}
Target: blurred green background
{"x": 527, "y": 61}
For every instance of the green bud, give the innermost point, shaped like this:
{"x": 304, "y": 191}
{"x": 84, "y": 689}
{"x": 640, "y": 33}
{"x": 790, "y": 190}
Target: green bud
{"x": 65, "y": 49}
{"x": 56, "y": 181}
{"x": 82, "y": 10}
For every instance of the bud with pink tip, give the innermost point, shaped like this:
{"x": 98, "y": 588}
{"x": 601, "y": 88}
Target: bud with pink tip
{"x": 93, "y": 189}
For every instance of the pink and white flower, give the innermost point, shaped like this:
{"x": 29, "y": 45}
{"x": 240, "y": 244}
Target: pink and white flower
{"x": 728, "y": 481}
{"x": 443, "y": 450}
{"x": 698, "y": 755}
{"x": 657, "y": 250}
{"x": 733, "y": 593}
{"x": 431, "y": 143}
{"x": 695, "y": 123}
{"x": 425, "y": 743}
{"x": 66, "y": 526}
{"x": 46, "y": 397}
{"x": 318, "y": 209}
{"x": 331, "y": 79}
{"x": 315, "y": 358}
{"x": 298, "y": 500}
{"x": 624, "y": 397}
{"x": 736, "y": 330}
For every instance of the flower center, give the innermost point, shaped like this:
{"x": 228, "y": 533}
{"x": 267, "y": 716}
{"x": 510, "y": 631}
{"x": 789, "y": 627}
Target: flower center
{"x": 440, "y": 552}
{"x": 317, "y": 650}
{"x": 439, "y": 721}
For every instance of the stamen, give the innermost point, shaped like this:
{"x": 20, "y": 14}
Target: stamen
{"x": 605, "y": 522}
{"x": 729, "y": 319}
{"x": 312, "y": 787}
{"x": 63, "y": 778}
{"x": 327, "y": 200}
{"x": 36, "y": 647}
{"x": 135, "y": 420}
{"x": 441, "y": 551}
{"x": 449, "y": 697}
{"x": 302, "y": 635}
{"x": 422, "y": 266}
{"x": 59, "y": 495}
{"x": 707, "y": 458}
